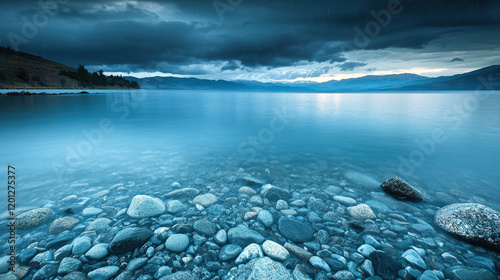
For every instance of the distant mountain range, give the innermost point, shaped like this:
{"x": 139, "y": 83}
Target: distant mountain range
{"x": 22, "y": 70}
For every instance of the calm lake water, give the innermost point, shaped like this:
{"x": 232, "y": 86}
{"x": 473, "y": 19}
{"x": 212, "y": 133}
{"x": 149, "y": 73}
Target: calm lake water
{"x": 440, "y": 142}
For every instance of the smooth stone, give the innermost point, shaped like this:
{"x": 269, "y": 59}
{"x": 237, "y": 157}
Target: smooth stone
{"x": 81, "y": 245}
{"x": 205, "y": 227}
{"x": 175, "y": 206}
{"x": 248, "y": 191}
{"x": 294, "y": 230}
{"x": 24, "y": 257}
{"x": 297, "y": 251}
{"x": 361, "y": 211}
{"x": 468, "y": 273}
{"x": 69, "y": 265}
{"x": 473, "y": 222}
{"x": 250, "y": 252}
{"x": 62, "y": 239}
{"x": 144, "y": 206}
{"x": 98, "y": 225}
{"x": 366, "y": 250}
{"x": 319, "y": 263}
{"x": 275, "y": 251}
{"x": 244, "y": 236}
{"x": 63, "y": 252}
{"x": 62, "y": 224}
{"x": 343, "y": 275}
{"x": 384, "y": 265}
{"x": 183, "y": 193}
{"x": 274, "y": 194}
{"x": 46, "y": 272}
{"x": 34, "y": 218}
{"x": 333, "y": 190}
{"x": 401, "y": 190}
{"x": 91, "y": 211}
{"x": 220, "y": 237}
{"x": 136, "y": 264}
{"x": 97, "y": 252}
{"x": 76, "y": 275}
{"x": 414, "y": 259}
{"x": 205, "y": 200}
{"x": 252, "y": 181}
{"x": 344, "y": 200}
{"x": 229, "y": 252}
{"x": 177, "y": 243}
{"x": 261, "y": 268}
{"x": 266, "y": 218}
{"x": 103, "y": 273}
{"x": 128, "y": 239}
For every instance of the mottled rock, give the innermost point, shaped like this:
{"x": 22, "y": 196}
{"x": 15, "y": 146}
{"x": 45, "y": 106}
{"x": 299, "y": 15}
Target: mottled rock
{"x": 205, "y": 227}
{"x": 46, "y": 272}
{"x": 401, "y": 190}
{"x": 343, "y": 275}
{"x": 261, "y": 268}
{"x": 229, "y": 252}
{"x": 205, "y": 200}
{"x": 62, "y": 224}
{"x": 295, "y": 230}
{"x": 250, "y": 252}
{"x": 473, "y": 222}
{"x": 344, "y": 200}
{"x": 128, "y": 239}
{"x": 275, "y": 251}
{"x": 183, "y": 193}
{"x": 34, "y": 218}
{"x": 175, "y": 207}
{"x": 103, "y": 273}
{"x": 143, "y": 206}
{"x": 81, "y": 245}
{"x": 361, "y": 211}
{"x": 274, "y": 194}
{"x": 69, "y": 265}
{"x": 266, "y": 218}
{"x": 181, "y": 275}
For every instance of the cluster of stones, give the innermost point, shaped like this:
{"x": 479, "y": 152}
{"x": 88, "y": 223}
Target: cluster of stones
{"x": 259, "y": 231}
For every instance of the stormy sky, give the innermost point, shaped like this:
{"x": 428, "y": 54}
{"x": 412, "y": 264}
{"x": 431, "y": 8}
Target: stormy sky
{"x": 261, "y": 40}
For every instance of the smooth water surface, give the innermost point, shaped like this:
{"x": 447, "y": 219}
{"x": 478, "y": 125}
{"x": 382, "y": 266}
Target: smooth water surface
{"x": 440, "y": 142}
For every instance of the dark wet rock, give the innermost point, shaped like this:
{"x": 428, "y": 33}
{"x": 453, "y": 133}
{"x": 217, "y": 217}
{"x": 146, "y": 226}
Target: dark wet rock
{"x": 229, "y": 252}
{"x": 473, "y": 222}
{"x": 128, "y": 239}
{"x": 252, "y": 181}
{"x": 468, "y": 273}
{"x": 183, "y": 193}
{"x": 243, "y": 236}
{"x": 384, "y": 265}
{"x": 62, "y": 224}
{"x": 103, "y": 273}
{"x": 34, "y": 218}
{"x": 77, "y": 275}
{"x": 205, "y": 227}
{"x": 274, "y": 194}
{"x": 45, "y": 272}
{"x": 183, "y": 228}
{"x": 297, "y": 251}
{"x": 26, "y": 255}
{"x": 62, "y": 239}
{"x": 401, "y": 190}
{"x": 261, "y": 268}
{"x": 294, "y": 230}
{"x": 181, "y": 275}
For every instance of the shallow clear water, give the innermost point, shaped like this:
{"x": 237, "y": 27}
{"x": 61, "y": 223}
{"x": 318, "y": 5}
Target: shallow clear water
{"x": 156, "y": 137}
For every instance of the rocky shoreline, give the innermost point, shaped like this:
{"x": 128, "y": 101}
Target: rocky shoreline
{"x": 27, "y": 92}
{"x": 253, "y": 230}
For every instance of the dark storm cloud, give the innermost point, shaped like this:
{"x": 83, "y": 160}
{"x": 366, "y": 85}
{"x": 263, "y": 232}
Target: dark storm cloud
{"x": 456, "y": 59}
{"x": 349, "y": 66}
{"x": 171, "y": 35}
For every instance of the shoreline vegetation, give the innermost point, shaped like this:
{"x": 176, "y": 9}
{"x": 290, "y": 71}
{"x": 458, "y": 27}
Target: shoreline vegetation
{"x": 27, "y": 92}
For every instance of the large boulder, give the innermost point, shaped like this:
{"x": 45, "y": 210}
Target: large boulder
{"x": 401, "y": 190}
{"x": 473, "y": 222}
{"x": 143, "y": 206}
{"x": 261, "y": 268}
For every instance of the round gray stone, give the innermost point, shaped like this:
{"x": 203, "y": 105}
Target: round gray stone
{"x": 143, "y": 206}
{"x": 177, "y": 243}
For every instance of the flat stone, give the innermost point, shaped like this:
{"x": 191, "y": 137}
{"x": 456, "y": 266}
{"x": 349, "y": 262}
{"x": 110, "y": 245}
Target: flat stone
{"x": 205, "y": 227}
{"x": 229, "y": 252}
{"x": 468, "y": 273}
{"x": 91, "y": 211}
{"x": 136, "y": 264}
{"x": 250, "y": 252}
{"x": 261, "y": 268}
{"x": 98, "y": 252}
{"x": 344, "y": 200}
{"x": 275, "y": 251}
{"x": 247, "y": 191}
{"x": 98, "y": 225}
{"x": 274, "y": 194}
{"x": 69, "y": 265}
{"x": 128, "y": 239}
{"x": 183, "y": 193}
{"x": 252, "y": 181}
{"x": 103, "y": 273}
{"x": 143, "y": 206}
{"x": 361, "y": 211}
{"x": 481, "y": 262}
{"x": 412, "y": 257}
{"x": 266, "y": 218}
{"x": 175, "y": 207}
{"x": 76, "y": 275}
{"x": 401, "y": 190}
{"x": 34, "y": 218}
{"x": 177, "y": 243}
{"x": 472, "y": 222}
{"x": 62, "y": 224}
{"x": 244, "y": 236}
{"x": 294, "y": 230}
{"x": 46, "y": 272}
{"x": 205, "y": 200}
{"x": 297, "y": 251}
{"x": 81, "y": 245}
